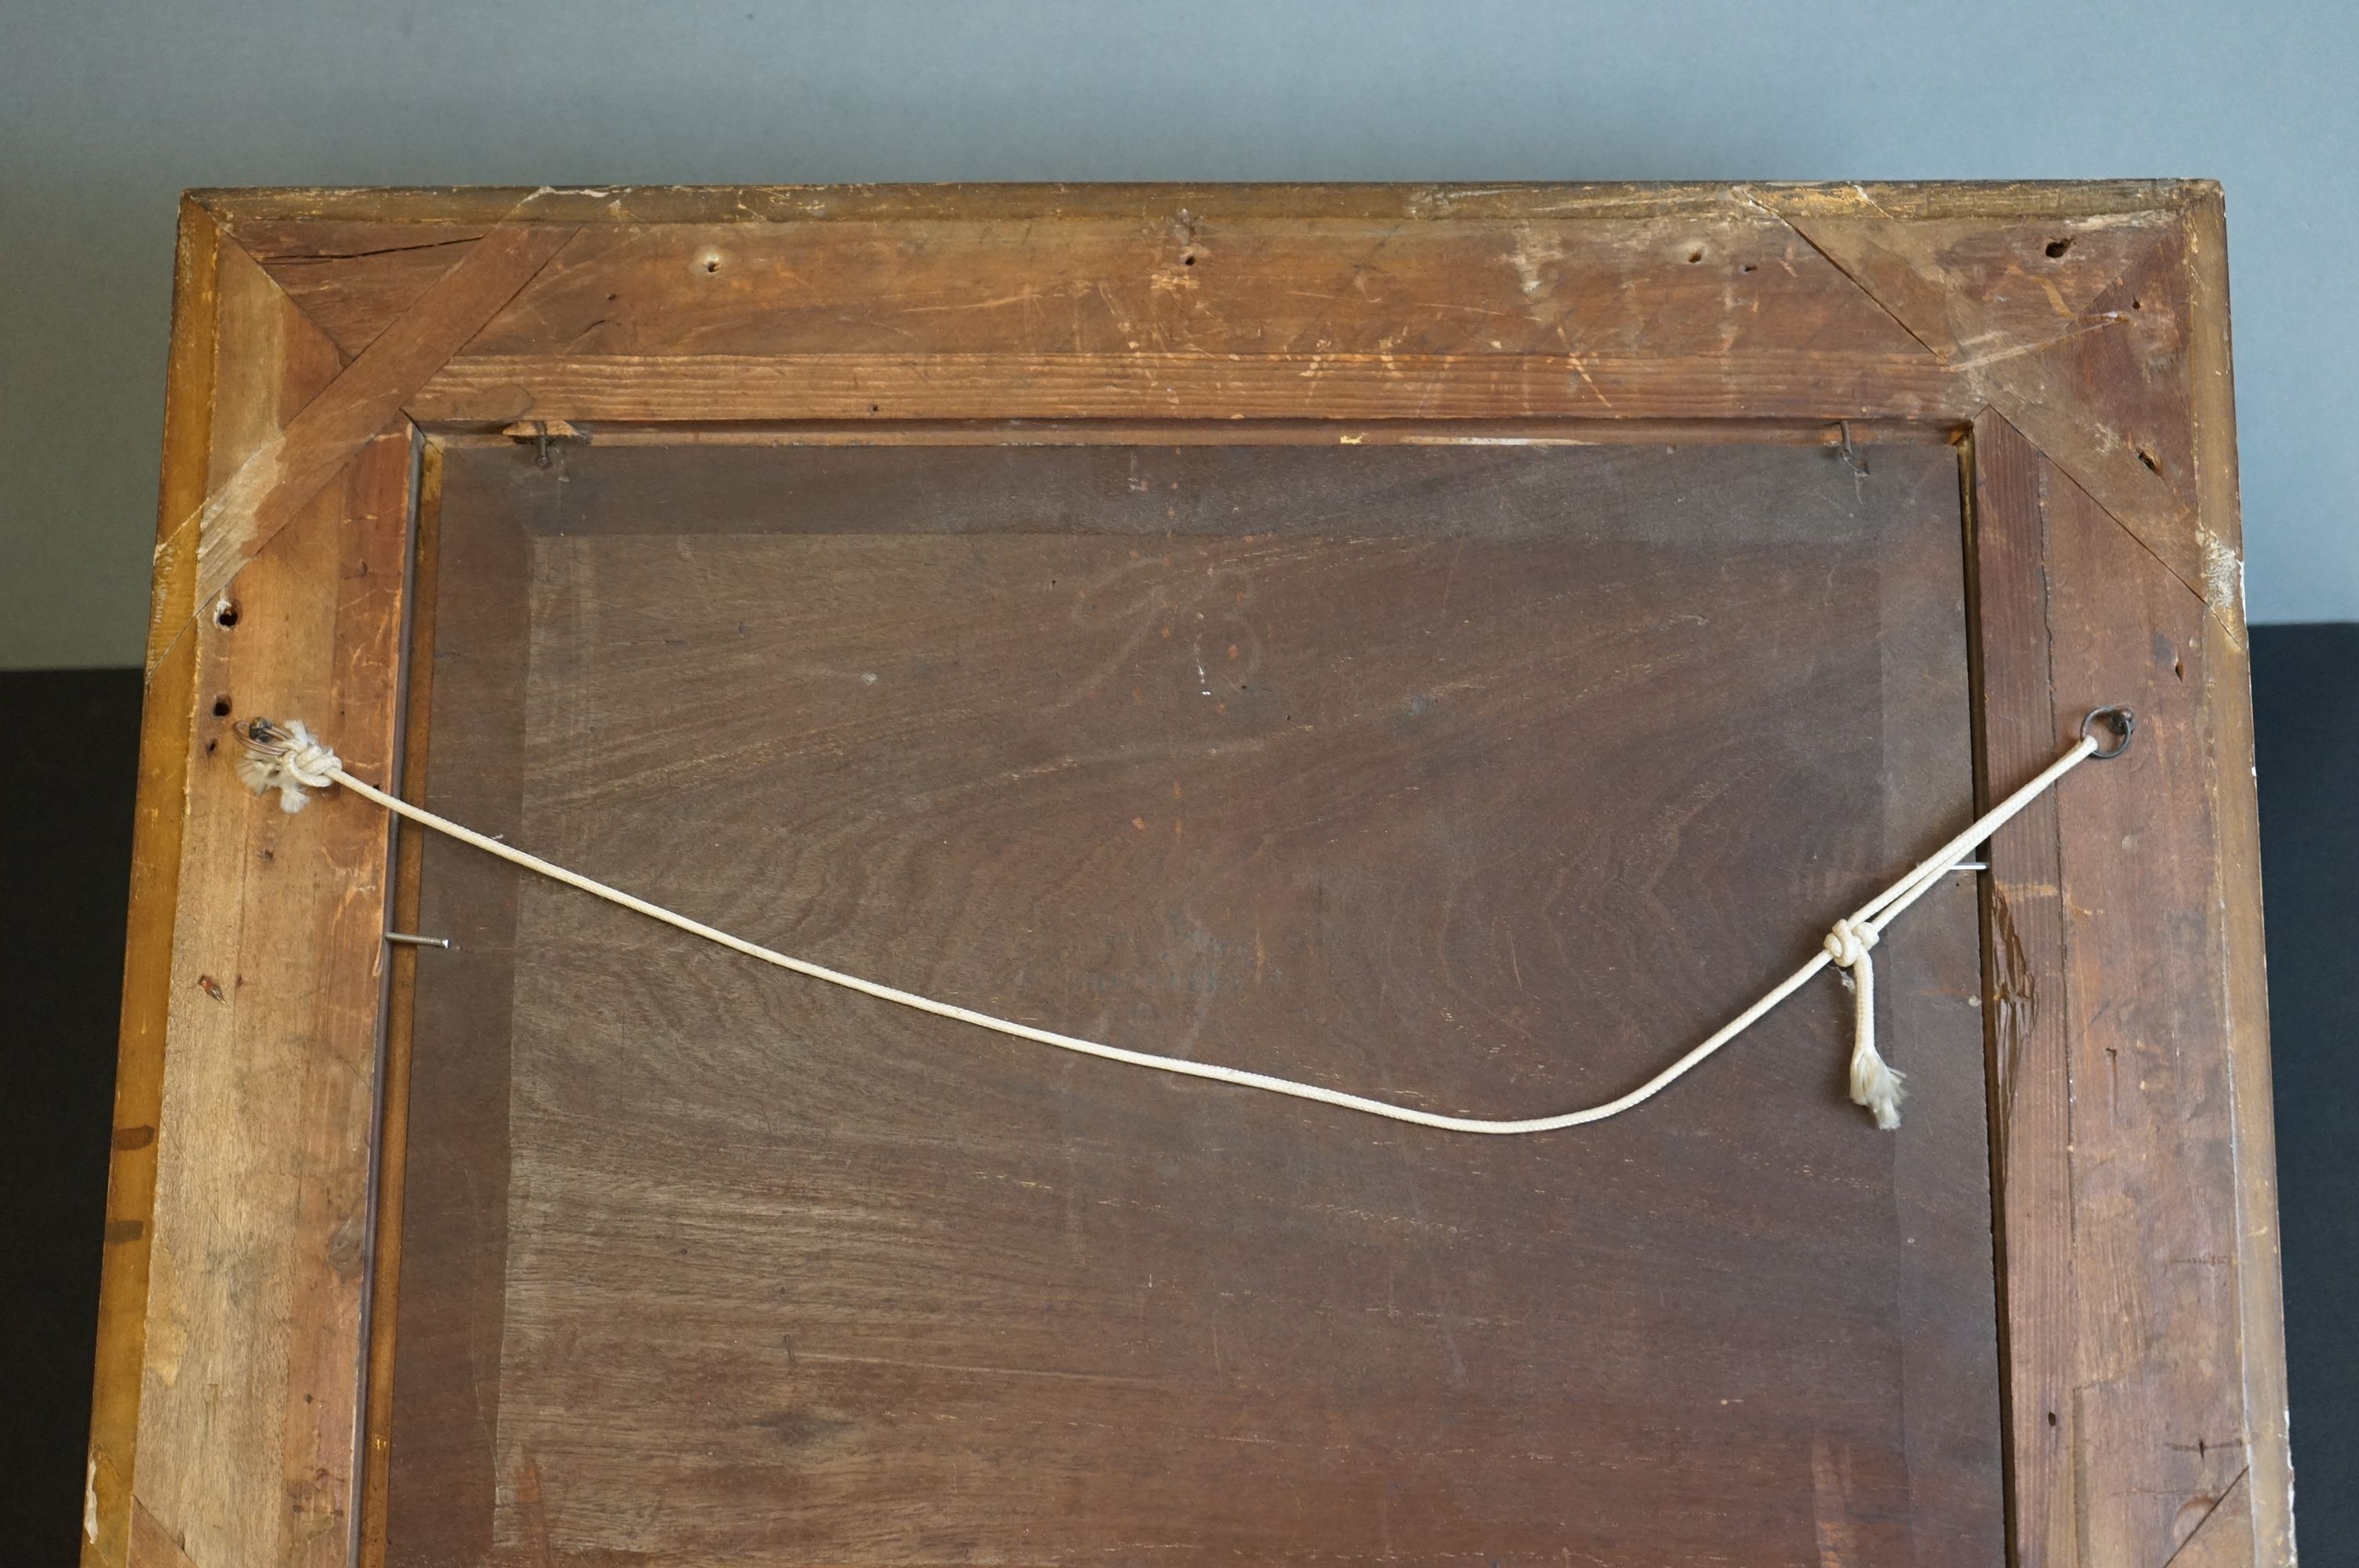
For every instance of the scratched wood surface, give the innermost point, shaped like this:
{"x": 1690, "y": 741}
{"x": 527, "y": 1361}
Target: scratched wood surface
{"x": 251, "y": 1315}
{"x": 2116, "y": 1164}
{"x": 1481, "y": 777}
{"x": 2143, "y": 999}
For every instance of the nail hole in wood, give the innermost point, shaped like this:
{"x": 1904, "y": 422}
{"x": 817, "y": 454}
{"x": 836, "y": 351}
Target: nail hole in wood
{"x": 1694, "y": 256}
{"x": 2147, "y": 459}
{"x": 225, "y": 613}
{"x": 2056, "y": 248}
{"x": 221, "y": 708}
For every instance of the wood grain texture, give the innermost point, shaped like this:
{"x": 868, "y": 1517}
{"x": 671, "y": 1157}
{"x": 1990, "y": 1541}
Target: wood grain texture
{"x": 355, "y": 279}
{"x": 1183, "y": 312}
{"x": 152, "y": 1545}
{"x": 2225, "y": 1538}
{"x": 1464, "y": 773}
{"x": 2157, "y": 1380}
{"x": 491, "y": 391}
{"x": 2024, "y": 970}
{"x": 247, "y": 1415}
{"x": 1646, "y": 302}
{"x": 2115, "y": 1145}
{"x": 2227, "y": 717}
{"x": 1579, "y": 306}
{"x": 245, "y": 509}
{"x": 1189, "y": 280}
{"x": 265, "y": 362}
{"x": 2078, "y": 328}
{"x": 154, "y": 880}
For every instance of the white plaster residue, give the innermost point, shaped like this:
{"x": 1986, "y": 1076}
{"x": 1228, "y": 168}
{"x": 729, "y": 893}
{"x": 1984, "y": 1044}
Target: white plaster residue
{"x": 2224, "y": 572}
{"x": 1534, "y": 249}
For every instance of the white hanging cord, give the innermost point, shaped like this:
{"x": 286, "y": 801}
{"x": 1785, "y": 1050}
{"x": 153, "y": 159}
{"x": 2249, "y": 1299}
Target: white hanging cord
{"x": 285, "y": 757}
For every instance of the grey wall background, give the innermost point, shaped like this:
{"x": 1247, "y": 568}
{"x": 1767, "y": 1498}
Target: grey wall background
{"x": 108, "y": 109}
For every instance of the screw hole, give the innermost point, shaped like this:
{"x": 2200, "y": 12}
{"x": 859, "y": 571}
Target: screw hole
{"x": 2147, "y": 459}
{"x": 2052, "y": 1418}
{"x": 2056, "y": 248}
{"x": 1188, "y": 260}
{"x": 872, "y": 408}
{"x": 1694, "y": 256}
{"x": 225, "y": 613}
{"x": 1750, "y": 266}
{"x": 221, "y": 708}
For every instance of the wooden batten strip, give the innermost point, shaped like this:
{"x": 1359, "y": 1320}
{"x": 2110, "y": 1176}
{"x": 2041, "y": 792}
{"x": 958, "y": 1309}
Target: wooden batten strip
{"x": 487, "y": 392}
{"x": 2024, "y": 979}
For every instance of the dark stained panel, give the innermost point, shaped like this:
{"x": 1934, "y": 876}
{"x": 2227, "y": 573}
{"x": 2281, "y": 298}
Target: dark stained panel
{"x": 1487, "y": 778}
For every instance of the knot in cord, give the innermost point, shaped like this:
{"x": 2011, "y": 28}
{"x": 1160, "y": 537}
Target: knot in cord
{"x": 1848, "y": 943}
{"x": 1873, "y": 1084}
{"x": 310, "y": 763}
{"x": 286, "y": 758}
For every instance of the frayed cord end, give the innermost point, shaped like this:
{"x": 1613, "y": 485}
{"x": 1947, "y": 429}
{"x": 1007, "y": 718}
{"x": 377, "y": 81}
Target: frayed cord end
{"x": 284, "y": 757}
{"x": 1875, "y": 1085}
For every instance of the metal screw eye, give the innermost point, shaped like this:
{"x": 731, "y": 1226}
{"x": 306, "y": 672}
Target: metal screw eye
{"x": 2120, "y": 720}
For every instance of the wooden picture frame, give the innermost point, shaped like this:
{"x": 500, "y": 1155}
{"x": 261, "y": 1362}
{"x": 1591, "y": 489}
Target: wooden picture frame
{"x": 2071, "y": 339}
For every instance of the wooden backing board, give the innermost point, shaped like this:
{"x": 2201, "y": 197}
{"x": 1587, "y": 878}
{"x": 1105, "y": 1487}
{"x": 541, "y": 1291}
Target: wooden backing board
{"x": 2090, "y": 321}
{"x": 1454, "y": 770}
